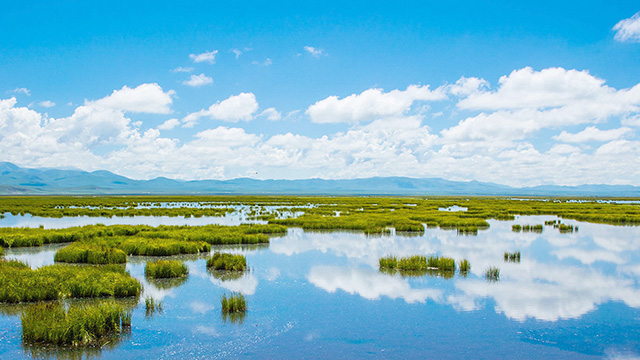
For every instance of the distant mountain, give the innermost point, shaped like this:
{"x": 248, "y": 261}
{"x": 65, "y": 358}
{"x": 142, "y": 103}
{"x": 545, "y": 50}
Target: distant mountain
{"x": 15, "y": 180}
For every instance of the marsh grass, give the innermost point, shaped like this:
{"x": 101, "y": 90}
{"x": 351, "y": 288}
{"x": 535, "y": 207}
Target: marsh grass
{"x": 492, "y": 274}
{"x": 143, "y": 246}
{"x": 229, "y": 262}
{"x": 417, "y": 263}
{"x": 563, "y": 228}
{"x": 152, "y": 307}
{"x": 167, "y": 283}
{"x": 165, "y": 269}
{"x": 88, "y": 253}
{"x": 464, "y": 266}
{"x": 234, "y": 303}
{"x": 79, "y": 325}
{"x": 19, "y": 283}
{"x": 512, "y": 256}
{"x": 527, "y": 228}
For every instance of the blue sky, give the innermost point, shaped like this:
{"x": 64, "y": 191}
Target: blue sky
{"x": 502, "y": 91}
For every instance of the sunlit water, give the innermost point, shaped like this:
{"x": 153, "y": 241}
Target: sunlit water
{"x": 321, "y": 295}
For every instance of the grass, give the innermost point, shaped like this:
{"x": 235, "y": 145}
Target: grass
{"x": 492, "y": 274}
{"x": 527, "y": 228}
{"x": 79, "y": 325}
{"x": 224, "y": 261}
{"x": 88, "y": 253}
{"x": 512, "y": 256}
{"x": 563, "y": 228}
{"x": 165, "y": 269}
{"x": 152, "y": 307}
{"x": 464, "y": 266}
{"x": 417, "y": 263}
{"x": 19, "y": 283}
{"x": 234, "y": 303}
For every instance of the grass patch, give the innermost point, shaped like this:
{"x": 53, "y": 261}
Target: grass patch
{"x": 79, "y": 325}
{"x": 165, "y": 269}
{"x": 235, "y": 303}
{"x": 19, "y": 283}
{"x": 464, "y": 266}
{"x": 89, "y": 253}
{"x": 152, "y": 307}
{"x": 417, "y": 263}
{"x": 527, "y": 228}
{"x": 162, "y": 247}
{"x": 225, "y": 261}
{"x": 512, "y": 256}
{"x": 492, "y": 274}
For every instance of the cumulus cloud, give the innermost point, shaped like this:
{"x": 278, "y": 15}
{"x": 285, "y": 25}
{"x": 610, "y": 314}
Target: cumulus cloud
{"x": 628, "y": 29}
{"x": 316, "y": 52}
{"x": 209, "y": 57}
{"x": 145, "y": 98}
{"x": 198, "y": 80}
{"x": 169, "y": 124}
{"x": 592, "y": 133}
{"x": 370, "y": 105}
{"x": 241, "y": 107}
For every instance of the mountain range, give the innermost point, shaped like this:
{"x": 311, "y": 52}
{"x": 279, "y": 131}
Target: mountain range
{"x": 15, "y": 180}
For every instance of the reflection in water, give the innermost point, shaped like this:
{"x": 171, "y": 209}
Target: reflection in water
{"x": 234, "y": 317}
{"x": 165, "y": 284}
{"x": 245, "y": 284}
{"x": 368, "y": 283}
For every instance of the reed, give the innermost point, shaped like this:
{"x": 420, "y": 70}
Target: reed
{"x": 492, "y": 274}
{"x": 417, "y": 263}
{"x": 464, "y": 266}
{"x": 166, "y": 269}
{"x": 152, "y": 306}
{"x": 512, "y": 256}
{"x": 80, "y": 325}
{"x": 19, "y": 283}
{"x": 88, "y": 253}
{"x": 225, "y": 261}
{"x": 234, "y": 303}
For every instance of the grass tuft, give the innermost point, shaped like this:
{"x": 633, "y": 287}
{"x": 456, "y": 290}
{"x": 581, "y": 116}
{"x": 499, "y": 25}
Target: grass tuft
{"x": 224, "y": 261}
{"x": 492, "y": 274}
{"x": 161, "y": 269}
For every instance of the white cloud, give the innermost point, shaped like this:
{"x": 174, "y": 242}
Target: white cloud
{"x": 628, "y": 29}
{"x": 24, "y": 91}
{"x": 241, "y": 107}
{"x": 466, "y": 86}
{"x": 169, "y": 124}
{"x": 370, "y": 105}
{"x": 198, "y": 80}
{"x": 237, "y": 52}
{"x": 47, "y": 104}
{"x": 266, "y": 62}
{"x": 145, "y": 98}
{"x": 209, "y": 57}
{"x": 271, "y": 114}
{"x": 592, "y": 133}
{"x": 180, "y": 69}
{"x": 316, "y": 52}
{"x": 370, "y": 284}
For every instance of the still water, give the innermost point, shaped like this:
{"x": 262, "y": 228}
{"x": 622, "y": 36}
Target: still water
{"x": 321, "y": 295}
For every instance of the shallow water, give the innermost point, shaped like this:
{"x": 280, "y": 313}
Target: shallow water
{"x": 320, "y": 295}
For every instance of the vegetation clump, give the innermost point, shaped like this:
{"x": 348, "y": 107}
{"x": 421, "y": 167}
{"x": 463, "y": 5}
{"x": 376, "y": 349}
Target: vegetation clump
{"x": 512, "y": 256}
{"x": 229, "y": 262}
{"x": 152, "y": 307}
{"x": 563, "y": 228}
{"x": 80, "y": 325}
{"x": 19, "y": 283}
{"x": 165, "y": 269}
{"x": 464, "y": 266}
{"x": 417, "y": 263}
{"x": 527, "y": 228}
{"x": 492, "y": 274}
{"x": 88, "y": 253}
{"x": 234, "y": 303}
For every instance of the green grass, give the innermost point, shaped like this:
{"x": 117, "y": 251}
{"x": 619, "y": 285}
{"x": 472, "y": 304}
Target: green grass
{"x": 152, "y": 307}
{"x": 234, "y": 303}
{"x": 464, "y": 266}
{"x": 512, "y": 256}
{"x": 19, "y": 283}
{"x": 492, "y": 274}
{"x": 527, "y": 228}
{"x": 162, "y": 247}
{"x": 165, "y": 269}
{"x": 224, "y": 261}
{"x": 88, "y": 253}
{"x": 80, "y": 325}
{"x": 417, "y": 263}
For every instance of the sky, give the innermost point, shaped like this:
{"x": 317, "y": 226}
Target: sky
{"x": 511, "y": 92}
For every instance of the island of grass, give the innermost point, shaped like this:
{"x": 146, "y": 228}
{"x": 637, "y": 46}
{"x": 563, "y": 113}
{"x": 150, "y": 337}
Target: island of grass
{"x": 90, "y": 253}
{"x": 527, "y": 228}
{"x": 512, "y": 256}
{"x": 417, "y": 263}
{"x": 229, "y": 262}
{"x": 163, "y": 269}
{"x": 235, "y": 303}
{"x": 79, "y": 325}
{"x": 19, "y": 283}
{"x": 492, "y": 274}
